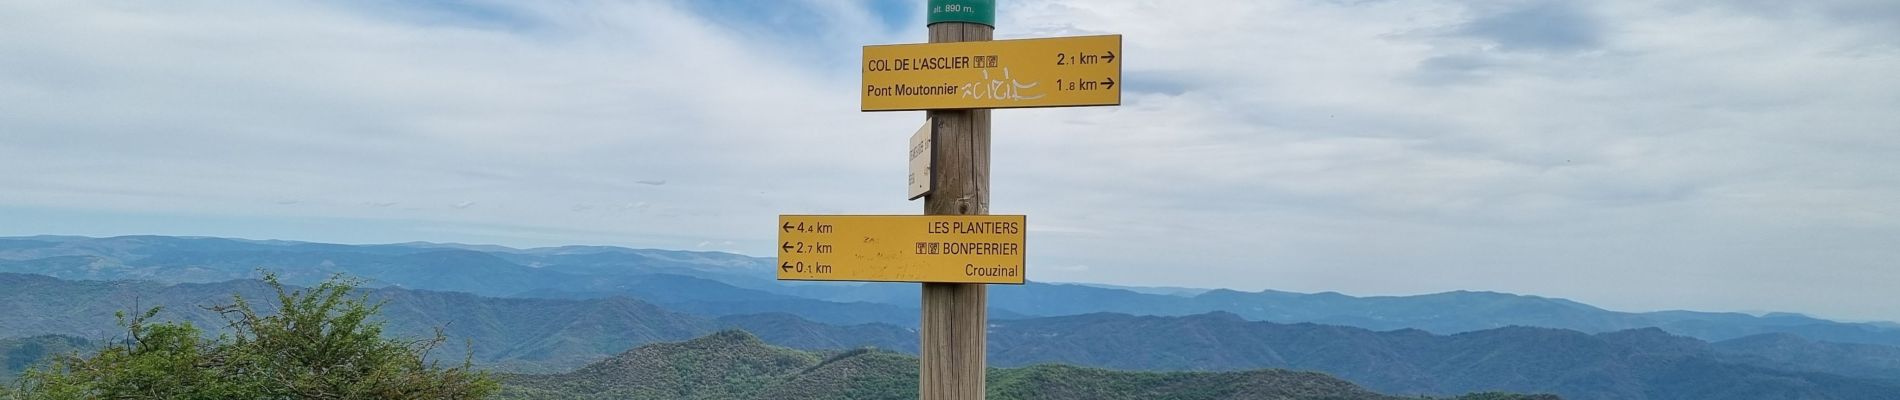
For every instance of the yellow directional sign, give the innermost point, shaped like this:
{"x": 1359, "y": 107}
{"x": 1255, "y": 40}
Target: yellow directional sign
{"x": 1052, "y": 72}
{"x": 901, "y": 248}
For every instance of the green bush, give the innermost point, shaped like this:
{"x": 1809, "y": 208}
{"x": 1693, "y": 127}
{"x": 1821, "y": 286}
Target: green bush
{"x": 320, "y": 343}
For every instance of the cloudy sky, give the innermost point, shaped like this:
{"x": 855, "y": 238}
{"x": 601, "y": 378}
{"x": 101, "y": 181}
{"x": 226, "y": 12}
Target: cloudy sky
{"x": 1637, "y": 155}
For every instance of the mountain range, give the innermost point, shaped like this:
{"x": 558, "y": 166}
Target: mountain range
{"x": 1643, "y": 363}
{"x": 606, "y": 300}
{"x": 556, "y": 335}
{"x": 519, "y": 334}
{"x": 716, "y": 284}
{"x": 737, "y": 365}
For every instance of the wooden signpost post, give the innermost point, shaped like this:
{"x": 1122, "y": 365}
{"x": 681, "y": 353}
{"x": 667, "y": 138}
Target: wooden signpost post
{"x": 956, "y": 248}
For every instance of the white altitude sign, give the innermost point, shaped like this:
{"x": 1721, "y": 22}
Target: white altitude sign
{"x": 920, "y": 162}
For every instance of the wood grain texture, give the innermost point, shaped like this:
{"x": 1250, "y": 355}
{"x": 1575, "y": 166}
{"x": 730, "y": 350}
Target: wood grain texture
{"x": 955, "y": 315}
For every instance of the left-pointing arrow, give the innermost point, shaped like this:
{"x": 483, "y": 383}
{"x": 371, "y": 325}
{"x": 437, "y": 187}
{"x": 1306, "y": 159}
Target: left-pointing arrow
{"x": 787, "y": 267}
{"x": 787, "y": 228}
{"x": 787, "y": 247}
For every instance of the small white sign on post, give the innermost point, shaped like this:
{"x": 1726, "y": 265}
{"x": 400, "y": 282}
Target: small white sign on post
{"x": 920, "y": 161}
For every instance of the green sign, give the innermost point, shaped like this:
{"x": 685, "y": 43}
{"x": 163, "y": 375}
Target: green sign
{"x": 972, "y": 11}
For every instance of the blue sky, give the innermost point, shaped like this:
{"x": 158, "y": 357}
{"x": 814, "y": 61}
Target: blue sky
{"x": 1638, "y": 155}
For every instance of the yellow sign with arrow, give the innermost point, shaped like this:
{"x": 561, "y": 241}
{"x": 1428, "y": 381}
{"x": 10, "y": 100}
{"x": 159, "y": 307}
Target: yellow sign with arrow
{"x": 1051, "y": 72}
{"x": 902, "y": 248}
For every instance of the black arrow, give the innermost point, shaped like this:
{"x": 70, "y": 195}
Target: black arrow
{"x": 1110, "y": 84}
{"x": 787, "y": 247}
{"x": 786, "y": 266}
{"x": 1110, "y": 58}
{"x": 787, "y": 228}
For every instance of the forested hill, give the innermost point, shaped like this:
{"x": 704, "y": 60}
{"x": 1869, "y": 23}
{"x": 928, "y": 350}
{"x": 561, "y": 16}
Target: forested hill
{"x": 516, "y": 334}
{"x": 737, "y": 365}
{"x": 1634, "y": 364}
{"x": 18, "y": 354}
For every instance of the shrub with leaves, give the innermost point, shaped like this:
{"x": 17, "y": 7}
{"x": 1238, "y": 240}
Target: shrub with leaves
{"x": 319, "y": 343}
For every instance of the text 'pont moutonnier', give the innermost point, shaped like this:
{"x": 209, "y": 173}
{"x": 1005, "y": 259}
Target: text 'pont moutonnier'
{"x": 924, "y": 64}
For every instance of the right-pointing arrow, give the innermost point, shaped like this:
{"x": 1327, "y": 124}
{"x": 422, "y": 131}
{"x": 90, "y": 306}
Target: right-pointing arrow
{"x": 1111, "y": 56}
{"x": 1110, "y": 84}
